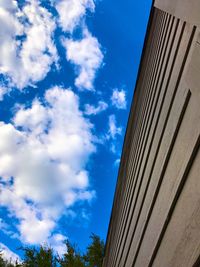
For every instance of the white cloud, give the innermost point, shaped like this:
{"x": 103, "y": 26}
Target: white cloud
{"x": 92, "y": 110}
{"x": 119, "y": 99}
{"x": 27, "y": 49}
{"x": 86, "y": 55}
{"x": 8, "y": 254}
{"x": 5, "y": 228}
{"x": 57, "y": 242}
{"x": 45, "y": 150}
{"x": 114, "y": 130}
{"x": 117, "y": 162}
{"x": 72, "y": 11}
{"x": 3, "y": 91}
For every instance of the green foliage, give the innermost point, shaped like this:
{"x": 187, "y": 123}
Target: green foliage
{"x": 71, "y": 258}
{"x": 6, "y": 263}
{"x": 1, "y": 261}
{"x": 44, "y": 256}
{"x": 29, "y": 257}
{"x": 95, "y": 252}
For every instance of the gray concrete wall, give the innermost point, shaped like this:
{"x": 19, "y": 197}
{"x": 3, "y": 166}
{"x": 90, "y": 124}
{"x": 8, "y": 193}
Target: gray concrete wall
{"x": 155, "y": 218}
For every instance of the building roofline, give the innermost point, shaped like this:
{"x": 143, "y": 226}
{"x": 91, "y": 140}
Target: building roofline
{"x": 129, "y": 123}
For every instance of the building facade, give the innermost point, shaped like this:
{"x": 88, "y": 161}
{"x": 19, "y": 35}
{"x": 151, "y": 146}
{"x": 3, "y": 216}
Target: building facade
{"x": 155, "y": 218}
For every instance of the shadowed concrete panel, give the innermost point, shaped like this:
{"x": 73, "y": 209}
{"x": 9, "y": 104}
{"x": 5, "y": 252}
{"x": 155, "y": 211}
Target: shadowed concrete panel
{"x": 187, "y": 10}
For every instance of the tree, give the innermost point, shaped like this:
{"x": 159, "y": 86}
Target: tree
{"x": 2, "y": 262}
{"x": 95, "y": 252}
{"x": 6, "y": 263}
{"x": 29, "y": 257}
{"x": 71, "y": 258}
{"x": 44, "y": 257}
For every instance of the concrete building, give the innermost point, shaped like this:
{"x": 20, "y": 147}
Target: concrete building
{"x": 155, "y": 219}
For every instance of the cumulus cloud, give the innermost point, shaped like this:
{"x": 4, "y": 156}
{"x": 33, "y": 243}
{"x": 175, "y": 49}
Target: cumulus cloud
{"x": 5, "y": 228}
{"x": 118, "y": 99}
{"x": 87, "y": 57}
{"x": 92, "y": 110}
{"x": 3, "y": 91}
{"x": 116, "y": 163}
{"x": 57, "y": 242}
{"x": 45, "y": 149}
{"x": 8, "y": 254}
{"x": 43, "y": 155}
{"x": 114, "y": 130}
{"x": 85, "y": 54}
{"x": 72, "y": 11}
{"x": 26, "y": 47}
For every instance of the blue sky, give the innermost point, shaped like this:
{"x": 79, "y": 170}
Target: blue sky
{"x": 67, "y": 73}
